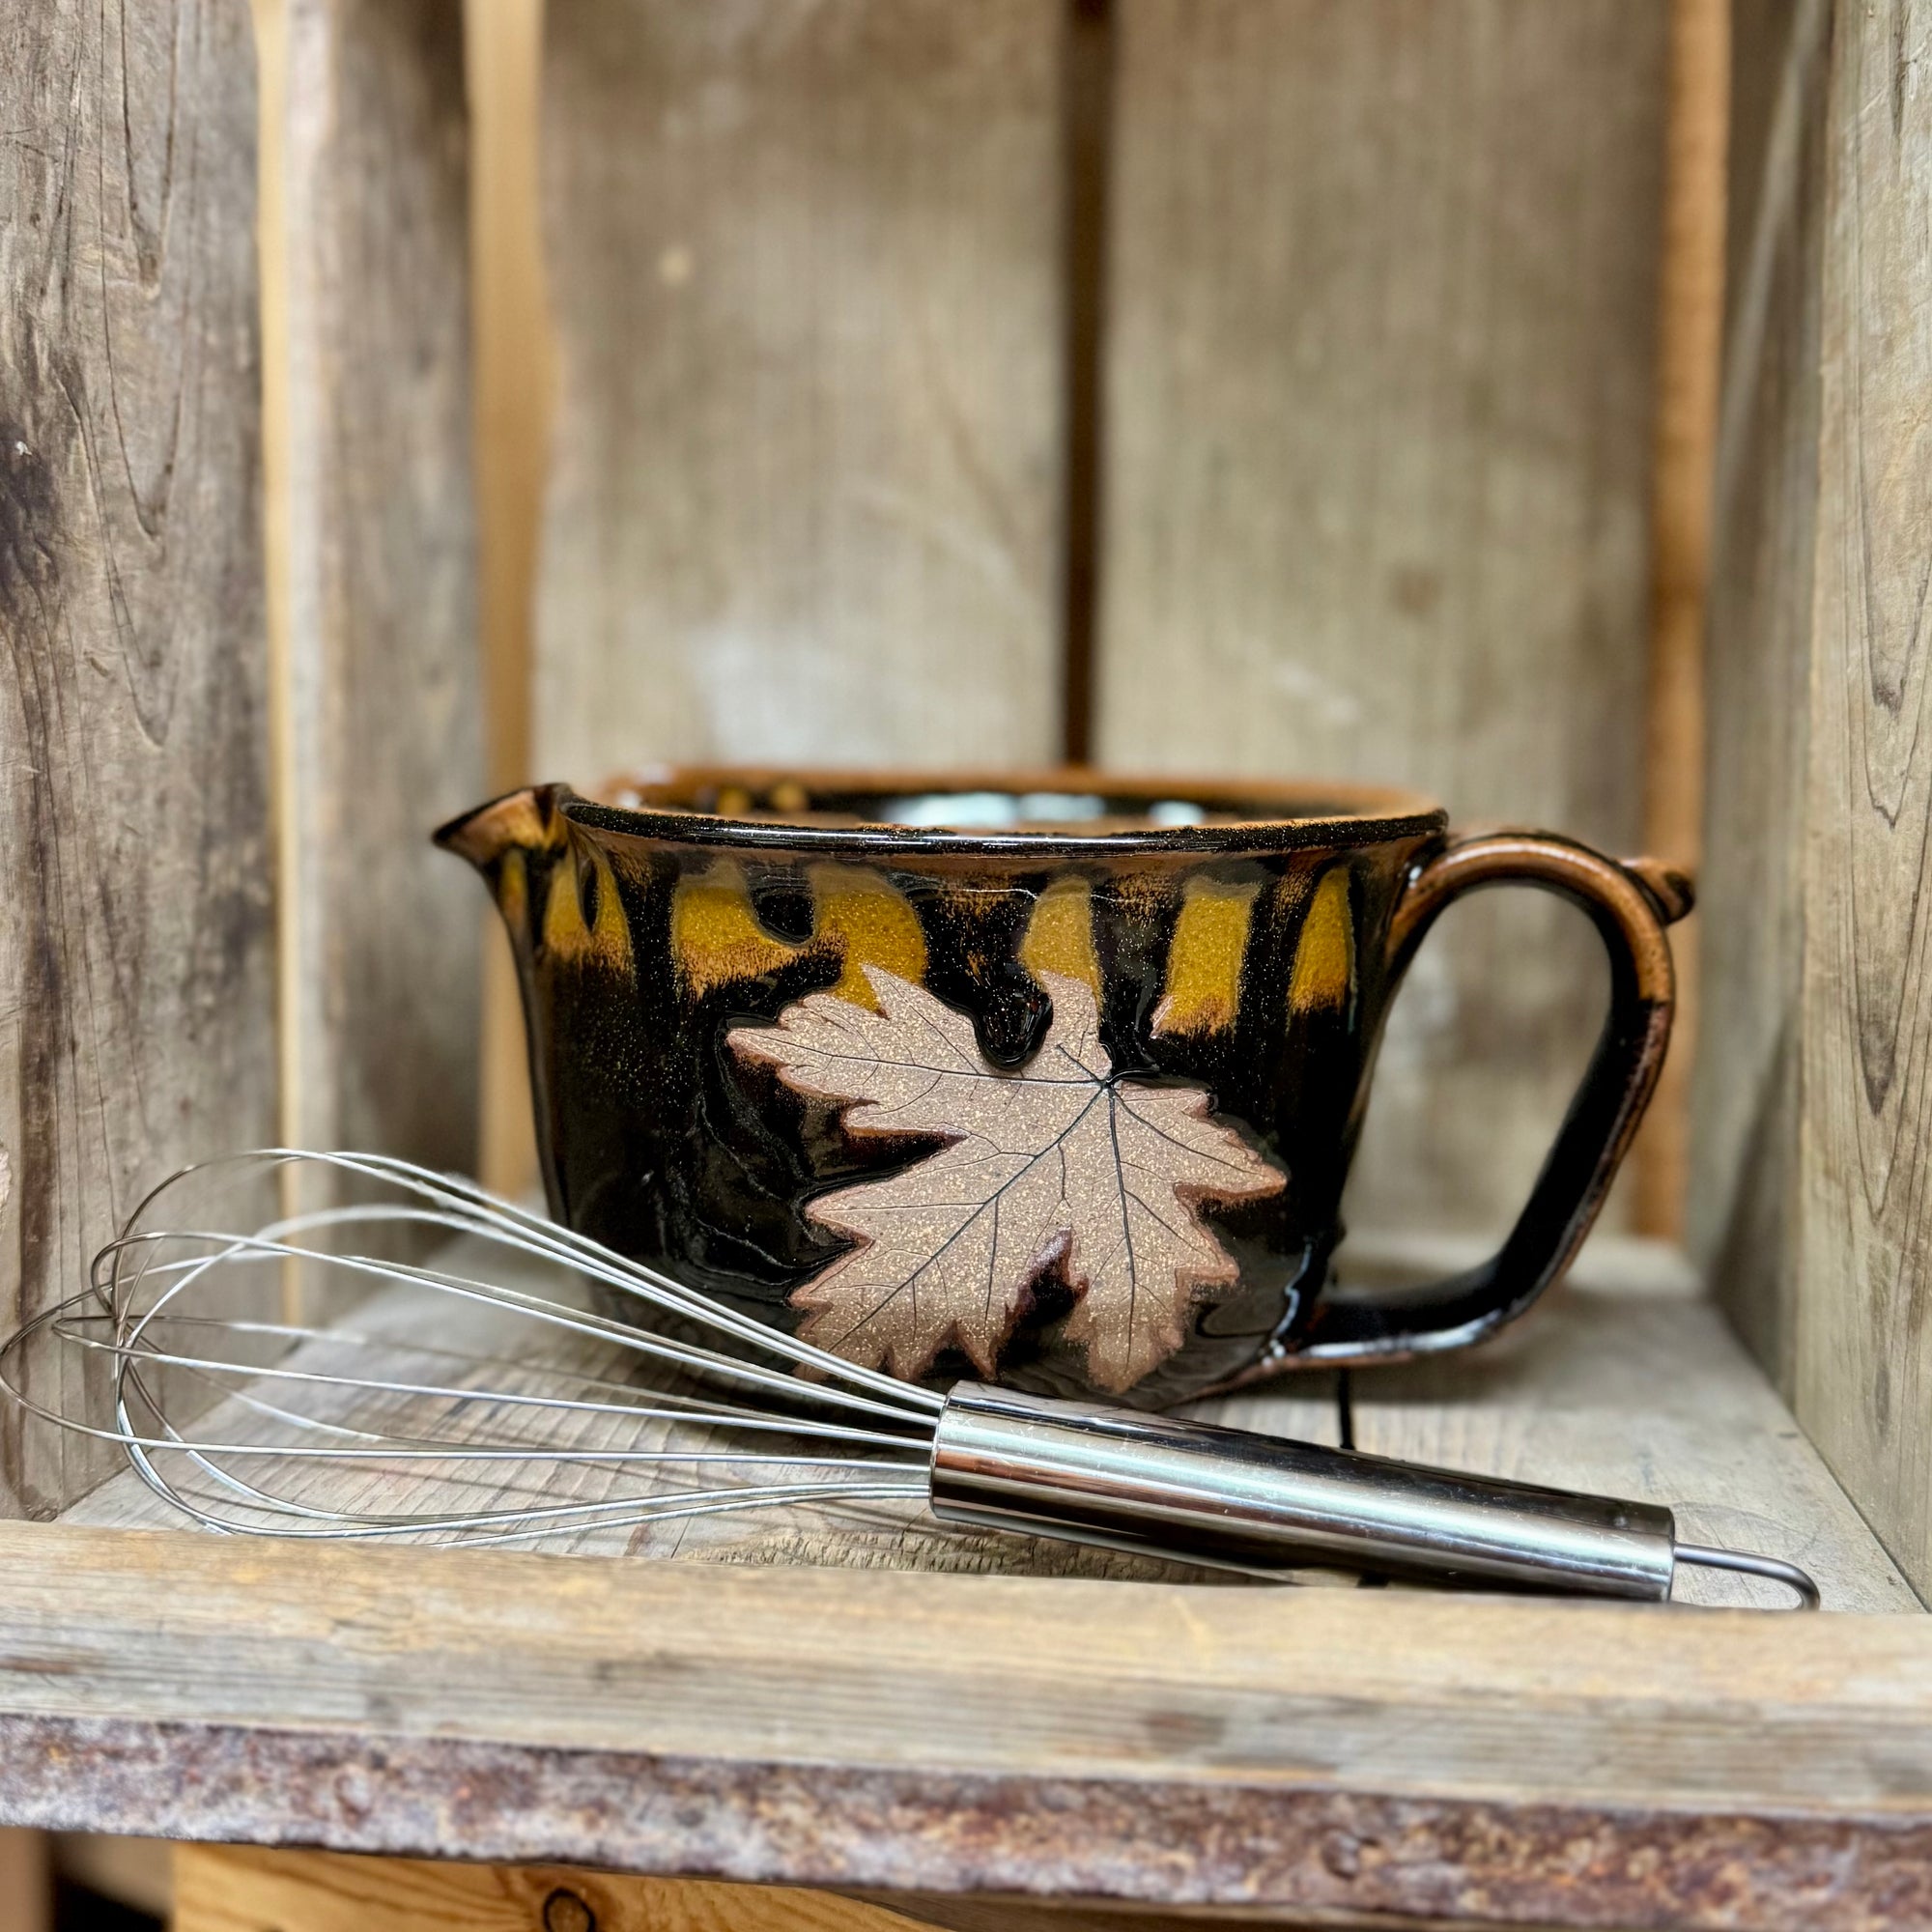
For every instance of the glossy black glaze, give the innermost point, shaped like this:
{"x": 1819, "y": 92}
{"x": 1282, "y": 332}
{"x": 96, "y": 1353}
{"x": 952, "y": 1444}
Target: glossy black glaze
{"x": 661, "y": 1142}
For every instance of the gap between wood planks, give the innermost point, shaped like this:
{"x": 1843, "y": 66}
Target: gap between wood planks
{"x": 1689, "y": 355}
{"x": 1087, "y": 95}
{"x": 516, "y": 378}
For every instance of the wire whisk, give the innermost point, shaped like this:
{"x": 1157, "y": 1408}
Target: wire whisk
{"x": 391, "y": 1353}
{"x": 448, "y": 1402}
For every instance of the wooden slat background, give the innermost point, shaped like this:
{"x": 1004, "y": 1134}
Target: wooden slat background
{"x": 1366, "y": 438}
{"x": 804, "y": 496}
{"x": 218, "y": 799}
{"x": 1741, "y": 1221}
{"x": 137, "y": 955}
{"x": 1243, "y": 385}
{"x": 812, "y": 467}
{"x": 376, "y": 632}
{"x": 1378, "y": 439}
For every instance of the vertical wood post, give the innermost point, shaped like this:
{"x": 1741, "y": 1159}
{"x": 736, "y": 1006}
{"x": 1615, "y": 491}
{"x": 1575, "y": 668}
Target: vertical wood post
{"x": 1818, "y": 1091}
{"x": 375, "y": 628}
{"x": 1691, "y": 307}
{"x": 1741, "y": 1218}
{"x": 136, "y": 906}
{"x": 1863, "y": 1343}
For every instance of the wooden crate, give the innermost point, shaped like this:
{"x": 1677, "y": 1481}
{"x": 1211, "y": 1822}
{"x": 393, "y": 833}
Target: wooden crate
{"x": 1274, "y": 385}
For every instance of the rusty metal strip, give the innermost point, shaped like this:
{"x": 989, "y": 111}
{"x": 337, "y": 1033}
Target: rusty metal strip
{"x": 1203, "y": 1843}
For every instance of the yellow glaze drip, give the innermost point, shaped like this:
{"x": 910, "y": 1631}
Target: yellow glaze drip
{"x": 606, "y": 943}
{"x": 715, "y": 935}
{"x": 1059, "y": 935}
{"x": 1203, "y": 960}
{"x": 1324, "y": 956}
{"x": 513, "y": 894}
{"x": 1139, "y": 894}
{"x": 871, "y": 925}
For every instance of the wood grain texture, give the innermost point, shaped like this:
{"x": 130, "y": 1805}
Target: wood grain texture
{"x": 806, "y": 494}
{"x": 1459, "y": 1758}
{"x": 26, "y": 1882}
{"x": 1690, "y": 302}
{"x": 1743, "y": 1221}
{"x": 382, "y": 670}
{"x": 515, "y": 374}
{"x": 1863, "y": 1353}
{"x": 1382, "y": 305}
{"x": 234, "y": 1891}
{"x": 1628, "y": 1383}
{"x": 136, "y": 926}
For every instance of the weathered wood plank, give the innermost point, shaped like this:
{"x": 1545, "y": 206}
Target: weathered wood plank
{"x": 1299, "y": 1749}
{"x": 234, "y": 1891}
{"x": 137, "y": 923}
{"x": 231, "y": 1890}
{"x": 1628, "y": 1383}
{"x": 1741, "y": 1222}
{"x": 806, "y": 496}
{"x": 1382, "y": 307}
{"x": 1863, "y": 1373}
{"x": 1691, "y": 307}
{"x": 382, "y": 672}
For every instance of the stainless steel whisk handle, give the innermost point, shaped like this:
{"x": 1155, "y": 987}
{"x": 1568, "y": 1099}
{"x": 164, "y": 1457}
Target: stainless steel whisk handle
{"x": 1226, "y": 1498}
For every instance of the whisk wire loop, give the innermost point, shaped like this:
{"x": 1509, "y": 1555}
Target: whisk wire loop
{"x": 472, "y": 1377}
{"x": 377, "y": 1426}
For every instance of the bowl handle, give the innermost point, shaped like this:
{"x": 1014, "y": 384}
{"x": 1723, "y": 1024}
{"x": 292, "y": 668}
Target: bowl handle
{"x": 1631, "y": 902}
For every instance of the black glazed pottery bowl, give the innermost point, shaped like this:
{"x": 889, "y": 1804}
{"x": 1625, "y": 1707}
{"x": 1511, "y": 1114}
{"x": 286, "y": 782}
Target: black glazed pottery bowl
{"x": 1051, "y": 1079}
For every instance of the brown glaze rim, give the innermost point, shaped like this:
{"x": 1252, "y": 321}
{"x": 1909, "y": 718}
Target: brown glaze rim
{"x": 1382, "y": 812}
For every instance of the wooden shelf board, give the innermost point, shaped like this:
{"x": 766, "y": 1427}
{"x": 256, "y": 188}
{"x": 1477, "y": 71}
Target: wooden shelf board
{"x": 1629, "y": 1383}
{"x": 1174, "y": 1744}
{"x": 1319, "y": 1751}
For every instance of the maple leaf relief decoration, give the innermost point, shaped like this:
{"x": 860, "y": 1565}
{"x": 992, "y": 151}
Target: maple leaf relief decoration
{"x": 1061, "y": 1160}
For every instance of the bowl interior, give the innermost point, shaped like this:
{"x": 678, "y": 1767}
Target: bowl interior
{"x": 1055, "y": 803}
